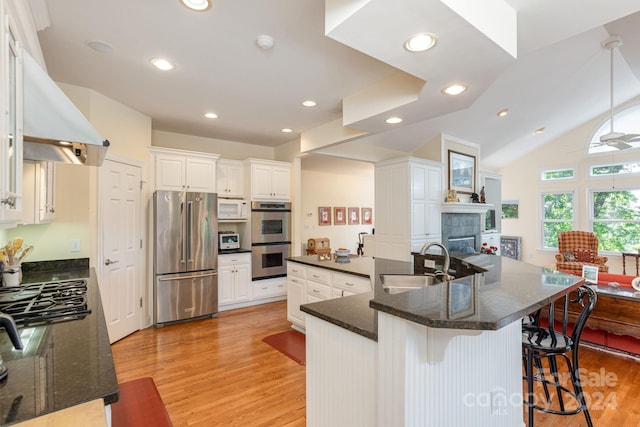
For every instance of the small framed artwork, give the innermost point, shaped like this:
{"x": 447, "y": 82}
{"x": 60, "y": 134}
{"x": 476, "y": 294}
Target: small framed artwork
{"x": 339, "y": 216}
{"x": 452, "y": 196}
{"x": 367, "y": 216}
{"x": 354, "y": 216}
{"x": 324, "y": 216}
{"x": 590, "y": 274}
{"x": 462, "y": 172}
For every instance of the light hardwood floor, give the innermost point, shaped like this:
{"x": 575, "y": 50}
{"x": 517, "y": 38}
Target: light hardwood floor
{"x": 218, "y": 372}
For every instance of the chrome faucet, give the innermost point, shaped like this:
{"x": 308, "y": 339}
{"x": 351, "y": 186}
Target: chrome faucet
{"x": 444, "y": 274}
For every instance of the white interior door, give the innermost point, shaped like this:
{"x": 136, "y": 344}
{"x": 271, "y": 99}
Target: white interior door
{"x": 120, "y": 260}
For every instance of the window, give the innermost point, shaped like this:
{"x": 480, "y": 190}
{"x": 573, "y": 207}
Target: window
{"x": 615, "y": 169}
{"x": 625, "y": 122}
{"x": 616, "y": 219}
{"x": 557, "y": 174}
{"x": 557, "y": 216}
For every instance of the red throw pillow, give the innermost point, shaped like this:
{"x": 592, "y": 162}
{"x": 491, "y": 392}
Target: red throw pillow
{"x": 584, "y": 255}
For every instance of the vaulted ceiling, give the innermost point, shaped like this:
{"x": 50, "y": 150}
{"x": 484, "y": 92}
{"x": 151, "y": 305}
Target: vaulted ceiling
{"x": 540, "y": 59}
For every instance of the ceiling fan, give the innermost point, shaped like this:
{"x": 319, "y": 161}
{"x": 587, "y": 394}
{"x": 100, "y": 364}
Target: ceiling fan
{"x": 618, "y": 140}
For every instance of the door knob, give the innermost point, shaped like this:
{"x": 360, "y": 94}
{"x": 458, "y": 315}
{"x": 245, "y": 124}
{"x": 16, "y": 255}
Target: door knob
{"x": 108, "y": 261}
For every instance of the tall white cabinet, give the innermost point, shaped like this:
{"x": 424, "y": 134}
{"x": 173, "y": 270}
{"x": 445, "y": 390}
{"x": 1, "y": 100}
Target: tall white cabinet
{"x": 10, "y": 121}
{"x": 409, "y": 195}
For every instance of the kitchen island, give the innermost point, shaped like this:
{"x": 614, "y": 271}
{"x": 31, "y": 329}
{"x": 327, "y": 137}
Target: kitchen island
{"x": 445, "y": 354}
{"x": 63, "y": 364}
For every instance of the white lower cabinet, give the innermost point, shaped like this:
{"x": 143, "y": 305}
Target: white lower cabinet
{"x": 307, "y": 284}
{"x": 295, "y": 298}
{"x": 235, "y": 287}
{"x": 234, "y": 278}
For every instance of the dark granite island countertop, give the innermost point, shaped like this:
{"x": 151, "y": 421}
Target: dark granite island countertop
{"x": 62, "y": 364}
{"x": 505, "y": 292}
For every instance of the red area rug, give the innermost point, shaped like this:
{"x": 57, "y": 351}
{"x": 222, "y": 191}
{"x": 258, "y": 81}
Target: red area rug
{"x": 291, "y": 343}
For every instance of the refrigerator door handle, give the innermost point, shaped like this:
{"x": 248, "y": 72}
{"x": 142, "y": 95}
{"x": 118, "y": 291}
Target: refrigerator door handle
{"x": 195, "y": 276}
{"x": 189, "y": 243}
{"x": 183, "y": 255}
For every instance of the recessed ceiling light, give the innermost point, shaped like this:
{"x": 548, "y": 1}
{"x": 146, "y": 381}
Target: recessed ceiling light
{"x": 100, "y": 46}
{"x": 394, "y": 120}
{"x": 539, "y": 130}
{"x": 503, "y": 112}
{"x": 454, "y": 89}
{"x": 287, "y": 130}
{"x": 66, "y": 143}
{"x": 197, "y": 5}
{"x": 265, "y": 42}
{"x": 309, "y": 103}
{"x": 162, "y": 64}
{"x": 211, "y": 115}
{"x": 420, "y": 42}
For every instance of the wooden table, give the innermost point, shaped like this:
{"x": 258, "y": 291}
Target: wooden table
{"x": 635, "y": 255}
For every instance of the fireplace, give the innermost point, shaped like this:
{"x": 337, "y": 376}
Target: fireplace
{"x": 464, "y": 244}
{"x": 461, "y": 232}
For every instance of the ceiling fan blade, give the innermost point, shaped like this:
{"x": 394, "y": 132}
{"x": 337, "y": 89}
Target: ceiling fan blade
{"x": 620, "y": 145}
{"x": 630, "y": 137}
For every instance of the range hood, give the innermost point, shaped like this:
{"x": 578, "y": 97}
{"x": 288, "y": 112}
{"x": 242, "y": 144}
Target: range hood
{"x": 54, "y": 129}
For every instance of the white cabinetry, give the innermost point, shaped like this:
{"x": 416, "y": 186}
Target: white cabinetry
{"x": 409, "y": 195}
{"x": 39, "y": 192}
{"x": 178, "y": 170}
{"x": 296, "y": 292}
{"x": 269, "y": 180}
{"x": 234, "y": 278}
{"x": 230, "y": 178}
{"x": 307, "y": 284}
{"x": 10, "y": 122}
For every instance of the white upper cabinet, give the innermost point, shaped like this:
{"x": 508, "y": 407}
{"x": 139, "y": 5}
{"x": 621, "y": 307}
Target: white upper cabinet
{"x": 10, "y": 123}
{"x": 177, "y": 170}
{"x": 230, "y": 178}
{"x": 270, "y": 180}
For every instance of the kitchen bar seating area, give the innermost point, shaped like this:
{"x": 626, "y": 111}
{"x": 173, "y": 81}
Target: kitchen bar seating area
{"x": 273, "y": 389}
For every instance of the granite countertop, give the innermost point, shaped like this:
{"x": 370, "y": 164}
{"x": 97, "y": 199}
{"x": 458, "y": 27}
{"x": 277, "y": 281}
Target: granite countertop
{"x": 62, "y": 364}
{"x": 505, "y": 292}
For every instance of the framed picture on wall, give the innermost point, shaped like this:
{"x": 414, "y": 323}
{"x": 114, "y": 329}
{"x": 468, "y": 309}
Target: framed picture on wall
{"x": 462, "y": 172}
{"x": 324, "y": 216}
{"x": 367, "y": 216}
{"x": 354, "y": 216}
{"x": 339, "y": 216}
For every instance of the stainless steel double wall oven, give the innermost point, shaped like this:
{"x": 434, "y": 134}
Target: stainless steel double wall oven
{"x": 270, "y": 239}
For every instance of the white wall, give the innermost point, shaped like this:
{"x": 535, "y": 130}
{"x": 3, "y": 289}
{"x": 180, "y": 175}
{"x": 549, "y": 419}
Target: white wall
{"x": 521, "y": 181}
{"x": 351, "y": 186}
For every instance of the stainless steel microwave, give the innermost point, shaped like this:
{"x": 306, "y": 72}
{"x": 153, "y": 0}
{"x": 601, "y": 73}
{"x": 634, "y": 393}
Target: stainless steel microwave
{"x": 232, "y": 209}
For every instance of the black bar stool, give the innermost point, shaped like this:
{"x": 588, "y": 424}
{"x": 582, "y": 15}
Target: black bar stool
{"x": 558, "y": 340}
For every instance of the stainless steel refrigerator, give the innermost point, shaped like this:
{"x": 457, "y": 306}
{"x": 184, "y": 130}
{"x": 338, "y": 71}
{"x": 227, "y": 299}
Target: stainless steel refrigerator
{"x": 185, "y": 255}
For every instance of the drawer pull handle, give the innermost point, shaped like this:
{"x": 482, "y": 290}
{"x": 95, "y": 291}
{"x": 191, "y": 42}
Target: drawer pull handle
{"x": 349, "y": 284}
{"x": 316, "y": 291}
{"x": 316, "y": 276}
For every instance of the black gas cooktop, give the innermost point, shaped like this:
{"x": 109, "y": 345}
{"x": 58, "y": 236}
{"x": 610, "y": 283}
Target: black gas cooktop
{"x": 39, "y": 303}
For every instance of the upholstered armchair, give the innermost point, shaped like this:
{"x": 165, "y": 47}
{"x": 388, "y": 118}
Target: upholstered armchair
{"x": 578, "y": 248}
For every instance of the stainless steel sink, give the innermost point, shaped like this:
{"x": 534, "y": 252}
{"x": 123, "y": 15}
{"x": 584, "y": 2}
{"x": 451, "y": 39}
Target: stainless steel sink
{"x": 396, "y": 283}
